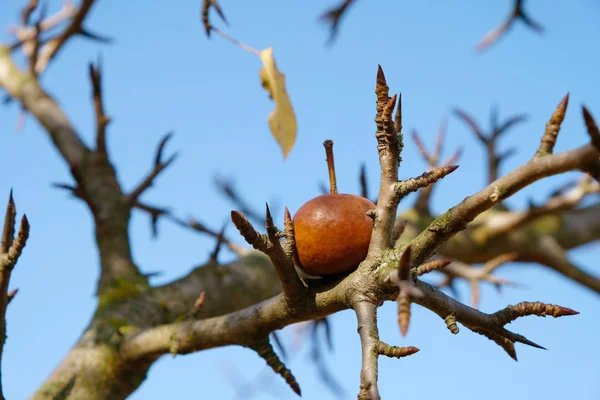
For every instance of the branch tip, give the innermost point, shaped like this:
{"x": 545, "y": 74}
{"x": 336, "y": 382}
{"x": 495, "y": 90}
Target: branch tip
{"x": 266, "y": 352}
{"x": 384, "y": 349}
{"x": 553, "y": 128}
{"x": 592, "y": 128}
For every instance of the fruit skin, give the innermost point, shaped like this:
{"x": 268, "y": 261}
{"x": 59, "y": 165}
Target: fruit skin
{"x": 333, "y": 233}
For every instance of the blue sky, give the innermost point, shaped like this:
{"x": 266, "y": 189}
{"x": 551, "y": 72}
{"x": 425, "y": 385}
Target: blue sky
{"x": 163, "y": 74}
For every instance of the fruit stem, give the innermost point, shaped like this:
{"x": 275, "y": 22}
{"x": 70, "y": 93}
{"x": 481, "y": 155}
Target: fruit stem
{"x": 330, "y": 166}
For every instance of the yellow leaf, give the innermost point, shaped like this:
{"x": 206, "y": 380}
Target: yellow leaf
{"x": 282, "y": 120}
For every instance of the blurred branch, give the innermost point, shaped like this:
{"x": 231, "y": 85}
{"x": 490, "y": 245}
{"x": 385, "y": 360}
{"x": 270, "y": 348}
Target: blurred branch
{"x": 489, "y": 141}
{"x": 517, "y": 14}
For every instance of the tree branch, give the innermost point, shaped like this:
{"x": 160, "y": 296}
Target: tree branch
{"x": 517, "y": 13}
{"x": 94, "y": 174}
{"x": 457, "y": 218}
{"x": 366, "y": 314}
{"x": 10, "y": 251}
{"x": 269, "y": 244}
{"x": 159, "y": 166}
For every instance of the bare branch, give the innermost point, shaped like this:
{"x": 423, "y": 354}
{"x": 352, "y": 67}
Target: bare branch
{"x": 270, "y": 245}
{"x": 10, "y": 251}
{"x": 516, "y": 14}
{"x": 490, "y": 140}
{"x": 54, "y": 45}
{"x": 489, "y": 325}
{"x": 25, "y": 34}
{"x": 333, "y": 17}
{"x": 102, "y": 120}
{"x": 159, "y": 166}
{"x": 366, "y": 313}
{"x": 432, "y": 160}
{"x": 457, "y": 218}
{"x": 592, "y": 128}
{"x": 511, "y": 220}
{"x": 266, "y": 352}
{"x": 404, "y": 188}
{"x": 389, "y": 146}
{"x": 228, "y": 189}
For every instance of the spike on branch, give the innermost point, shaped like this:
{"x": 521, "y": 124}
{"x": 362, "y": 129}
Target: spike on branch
{"x": 102, "y": 120}
{"x": 411, "y": 185}
{"x": 431, "y": 266}
{"x": 507, "y": 345}
{"x": 257, "y": 240}
{"x": 552, "y": 128}
{"x": 270, "y": 245}
{"x": 523, "y": 309}
{"x": 8, "y": 231}
{"x": 592, "y": 128}
{"x": 265, "y": 351}
{"x": 385, "y": 349}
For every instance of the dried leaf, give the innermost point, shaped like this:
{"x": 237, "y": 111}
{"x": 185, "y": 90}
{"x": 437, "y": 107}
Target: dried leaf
{"x": 282, "y": 120}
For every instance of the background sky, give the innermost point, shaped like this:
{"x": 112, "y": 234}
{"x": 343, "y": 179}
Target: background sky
{"x": 163, "y": 74}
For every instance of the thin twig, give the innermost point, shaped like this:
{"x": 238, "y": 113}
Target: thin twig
{"x": 159, "y": 166}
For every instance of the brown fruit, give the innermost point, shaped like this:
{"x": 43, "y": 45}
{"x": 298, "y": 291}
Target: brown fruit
{"x": 333, "y": 233}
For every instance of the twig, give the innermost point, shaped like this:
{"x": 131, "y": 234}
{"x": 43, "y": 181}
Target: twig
{"x": 433, "y": 162}
{"x": 54, "y": 45}
{"x": 102, "y": 120}
{"x": 474, "y": 276}
{"x": 333, "y": 17}
{"x": 489, "y": 141}
{"x": 366, "y": 313}
{"x": 457, "y": 218}
{"x": 265, "y": 351}
{"x": 517, "y": 13}
{"x": 10, "y": 251}
{"x": 25, "y": 34}
{"x": 206, "y": 6}
{"x": 490, "y": 325}
{"x": 404, "y": 188}
{"x": 159, "y": 166}
{"x": 508, "y": 221}
{"x": 389, "y": 146}
{"x": 228, "y": 189}
{"x": 270, "y": 245}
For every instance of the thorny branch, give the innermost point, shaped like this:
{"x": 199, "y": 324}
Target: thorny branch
{"x": 10, "y": 251}
{"x": 45, "y": 53}
{"x": 517, "y": 14}
{"x": 363, "y": 290}
{"x": 432, "y": 159}
{"x": 269, "y": 244}
{"x": 489, "y": 141}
